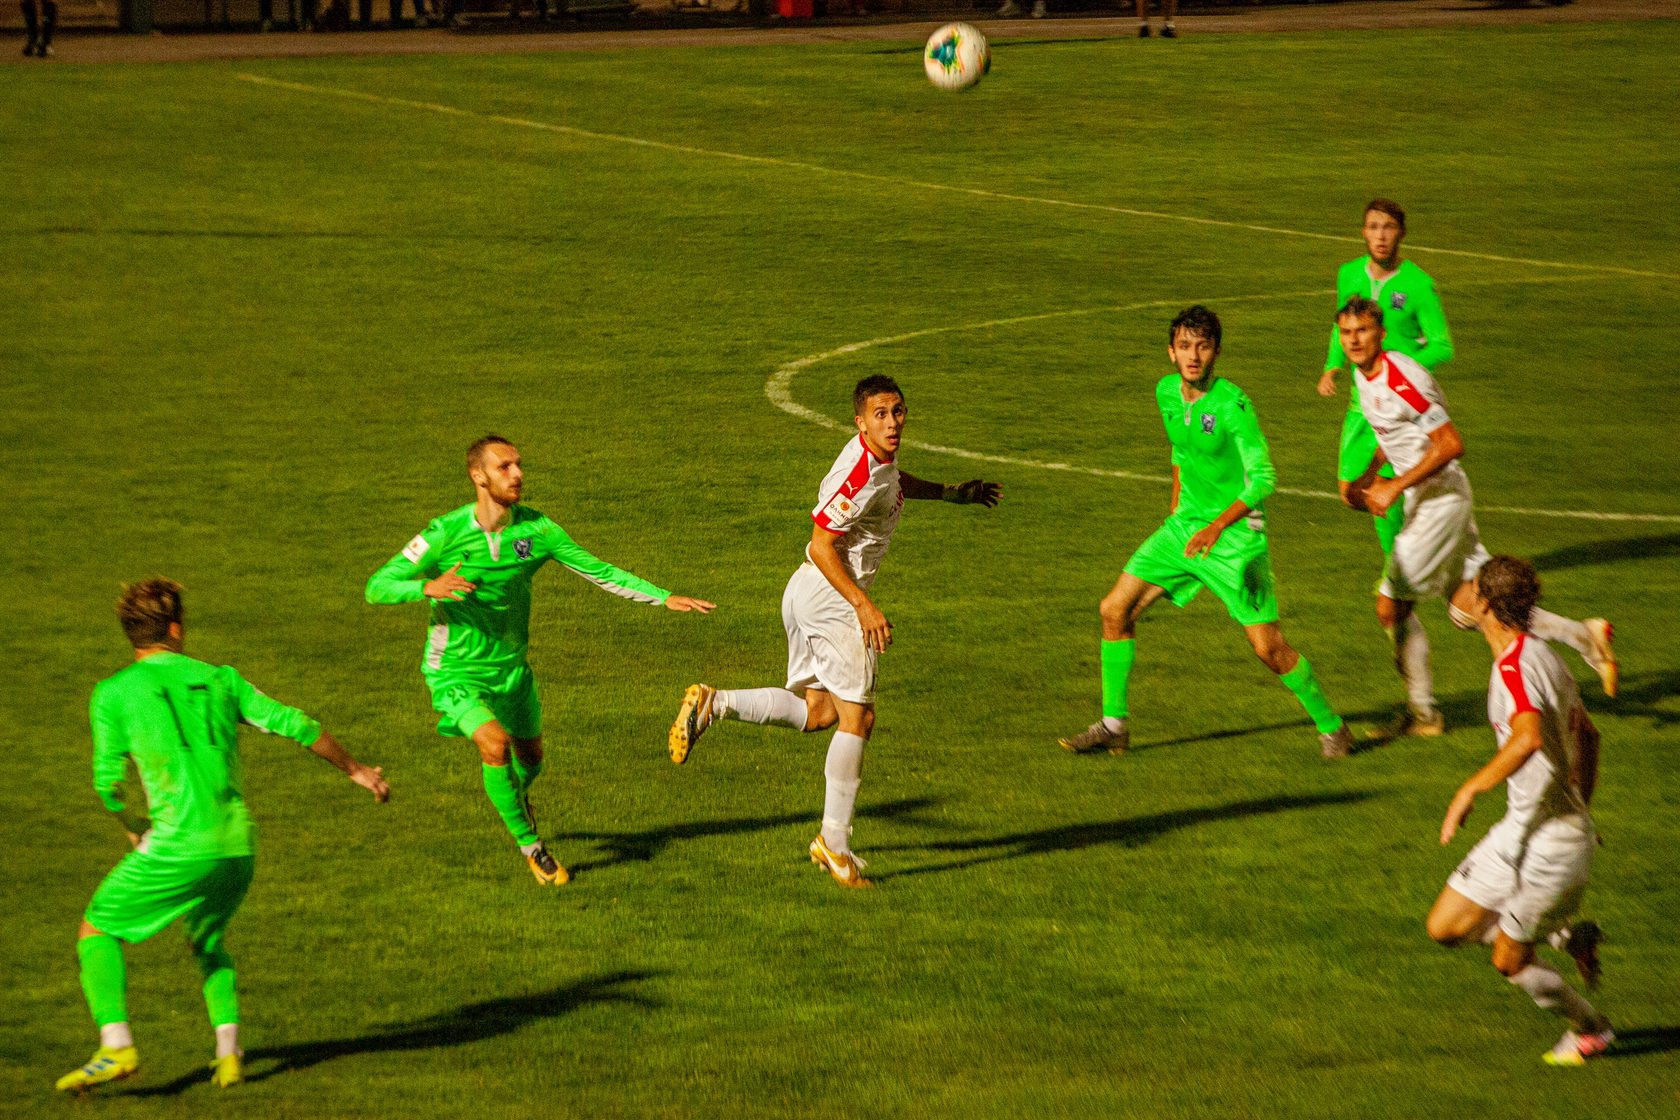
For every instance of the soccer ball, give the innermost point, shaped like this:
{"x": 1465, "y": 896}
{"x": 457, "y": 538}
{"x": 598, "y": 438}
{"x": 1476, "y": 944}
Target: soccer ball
{"x": 957, "y": 56}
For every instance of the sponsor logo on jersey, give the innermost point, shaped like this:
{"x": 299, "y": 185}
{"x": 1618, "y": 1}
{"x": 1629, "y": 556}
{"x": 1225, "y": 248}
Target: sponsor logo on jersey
{"x": 1208, "y": 419}
{"x": 522, "y": 549}
{"x": 840, "y": 508}
{"x": 1397, "y": 300}
{"x": 416, "y": 548}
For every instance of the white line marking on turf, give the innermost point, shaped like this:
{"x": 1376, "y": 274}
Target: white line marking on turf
{"x": 893, "y": 180}
{"x": 779, "y": 390}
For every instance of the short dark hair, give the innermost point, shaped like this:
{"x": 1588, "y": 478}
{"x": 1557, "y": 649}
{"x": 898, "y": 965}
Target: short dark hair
{"x": 147, "y": 608}
{"x": 873, "y": 385}
{"x": 1386, "y": 206}
{"x": 475, "y": 453}
{"x": 1511, "y": 587}
{"x": 1360, "y": 307}
{"x": 1197, "y": 320}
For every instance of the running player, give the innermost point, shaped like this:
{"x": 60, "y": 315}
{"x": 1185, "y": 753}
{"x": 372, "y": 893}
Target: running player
{"x": 835, "y": 631}
{"x": 476, "y": 564}
{"x": 178, "y": 720}
{"x": 1527, "y": 876}
{"x": 1418, "y": 329}
{"x": 1439, "y": 550}
{"x": 1215, "y": 537}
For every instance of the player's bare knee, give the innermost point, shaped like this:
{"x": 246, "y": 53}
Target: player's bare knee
{"x": 1511, "y": 957}
{"x": 1444, "y": 933}
{"x": 494, "y": 745}
{"x": 88, "y": 929}
{"x": 1388, "y": 612}
{"x": 529, "y": 751}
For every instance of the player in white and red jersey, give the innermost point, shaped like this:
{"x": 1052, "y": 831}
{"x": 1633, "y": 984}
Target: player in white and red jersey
{"x": 1439, "y": 550}
{"x": 1527, "y": 876}
{"x": 835, "y": 631}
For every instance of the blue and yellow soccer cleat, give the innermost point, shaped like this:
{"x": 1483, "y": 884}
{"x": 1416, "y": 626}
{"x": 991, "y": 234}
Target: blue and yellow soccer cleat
{"x": 693, "y": 718}
{"x": 846, "y": 868}
{"x": 548, "y": 870}
{"x": 227, "y": 1071}
{"x": 107, "y": 1064}
{"x": 1574, "y": 1049}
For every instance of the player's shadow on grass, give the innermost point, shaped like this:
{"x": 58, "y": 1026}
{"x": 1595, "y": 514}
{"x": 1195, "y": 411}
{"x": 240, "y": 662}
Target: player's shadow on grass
{"x": 1644, "y": 1040}
{"x": 613, "y": 848}
{"x": 1609, "y": 552}
{"x": 473, "y": 1022}
{"x": 1129, "y": 832}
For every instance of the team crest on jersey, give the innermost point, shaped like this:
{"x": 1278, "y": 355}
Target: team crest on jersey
{"x": 1208, "y": 420}
{"x": 522, "y": 549}
{"x": 1397, "y": 300}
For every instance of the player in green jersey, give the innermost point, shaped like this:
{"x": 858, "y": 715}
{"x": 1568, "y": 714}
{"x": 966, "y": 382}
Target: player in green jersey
{"x": 177, "y": 721}
{"x": 1215, "y": 537}
{"x": 475, "y": 565}
{"x": 1417, "y": 328}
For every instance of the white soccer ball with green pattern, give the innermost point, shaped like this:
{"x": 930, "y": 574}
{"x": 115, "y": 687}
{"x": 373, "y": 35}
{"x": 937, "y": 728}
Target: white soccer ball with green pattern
{"x": 957, "y": 56}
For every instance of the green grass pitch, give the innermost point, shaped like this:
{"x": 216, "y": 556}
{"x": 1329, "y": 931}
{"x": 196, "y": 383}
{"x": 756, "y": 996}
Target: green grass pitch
{"x": 247, "y": 331}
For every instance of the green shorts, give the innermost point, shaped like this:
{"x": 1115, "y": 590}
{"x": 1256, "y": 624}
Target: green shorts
{"x": 1238, "y": 569}
{"x": 143, "y": 894}
{"x": 467, "y": 698}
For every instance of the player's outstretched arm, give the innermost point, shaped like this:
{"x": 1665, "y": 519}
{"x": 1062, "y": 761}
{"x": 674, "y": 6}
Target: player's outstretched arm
{"x": 974, "y": 492}
{"x": 877, "y": 631}
{"x": 368, "y": 777}
{"x": 1524, "y": 741}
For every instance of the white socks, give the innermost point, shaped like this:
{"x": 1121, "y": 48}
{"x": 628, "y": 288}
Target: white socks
{"x": 844, "y": 771}
{"x": 227, "y": 1039}
{"x": 116, "y": 1036}
{"x": 1543, "y": 984}
{"x": 1411, "y": 657}
{"x": 775, "y": 706}
{"x": 1114, "y": 724}
{"x": 1551, "y": 627}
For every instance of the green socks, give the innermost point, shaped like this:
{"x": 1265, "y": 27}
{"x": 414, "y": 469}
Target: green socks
{"x": 1304, "y": 685}
{"x": 1116, "y": 671}
{"x": 502, "y": 786}
{"x": 104, "y": 978}
{"x": 220, "y": 996}
{"x": 524, "y": 774}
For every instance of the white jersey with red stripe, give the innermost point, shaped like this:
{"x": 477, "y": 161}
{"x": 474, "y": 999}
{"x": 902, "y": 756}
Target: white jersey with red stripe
{"x": 860, "y": 499}
{"x": 1530, "y": 677}
{"x": 1403, "y": 404}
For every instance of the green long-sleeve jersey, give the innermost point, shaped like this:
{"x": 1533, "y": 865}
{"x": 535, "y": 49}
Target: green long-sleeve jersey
{"x": 489, "y": 627}
{"x": 1413, "y": 321}
{"x": 178, "y": 719}
{"x": 1219, "y": 450}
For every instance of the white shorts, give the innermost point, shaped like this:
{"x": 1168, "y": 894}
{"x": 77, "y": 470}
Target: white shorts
{"x": 1535, "y": 883}
{"x": 1437, "y": 549}
{"x": 825, "y": 643}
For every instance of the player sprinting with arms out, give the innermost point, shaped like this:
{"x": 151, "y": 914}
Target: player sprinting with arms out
{"x": 178, "y": 720}
{"x": 1418, "y": 329}
{"x": 1526, "y": 878}
{"x": 835, "y": 631}
{"x": 1215, "y": 537}
{"x": 475, "y": 565}
{"x": 1439, "y": 549}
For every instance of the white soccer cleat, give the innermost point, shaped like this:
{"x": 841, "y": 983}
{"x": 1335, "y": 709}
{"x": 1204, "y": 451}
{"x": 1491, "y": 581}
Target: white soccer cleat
{"x": 1574, "y": 1049}
{"x": 693, "y": 718}
{"x": 845, "y": 867}
{"x": 1336, "y": 744}
{"x": 1099, "y": 737}
{"x": 1603, "y": 658}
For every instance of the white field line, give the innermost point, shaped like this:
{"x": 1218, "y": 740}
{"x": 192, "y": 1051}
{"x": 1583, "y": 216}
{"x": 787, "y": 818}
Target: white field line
{"x": 897, "y": 181}
{"x": 779, "y": 389}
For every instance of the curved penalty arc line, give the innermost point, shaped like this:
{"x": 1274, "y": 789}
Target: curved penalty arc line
{"x": 779, "y": 391}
